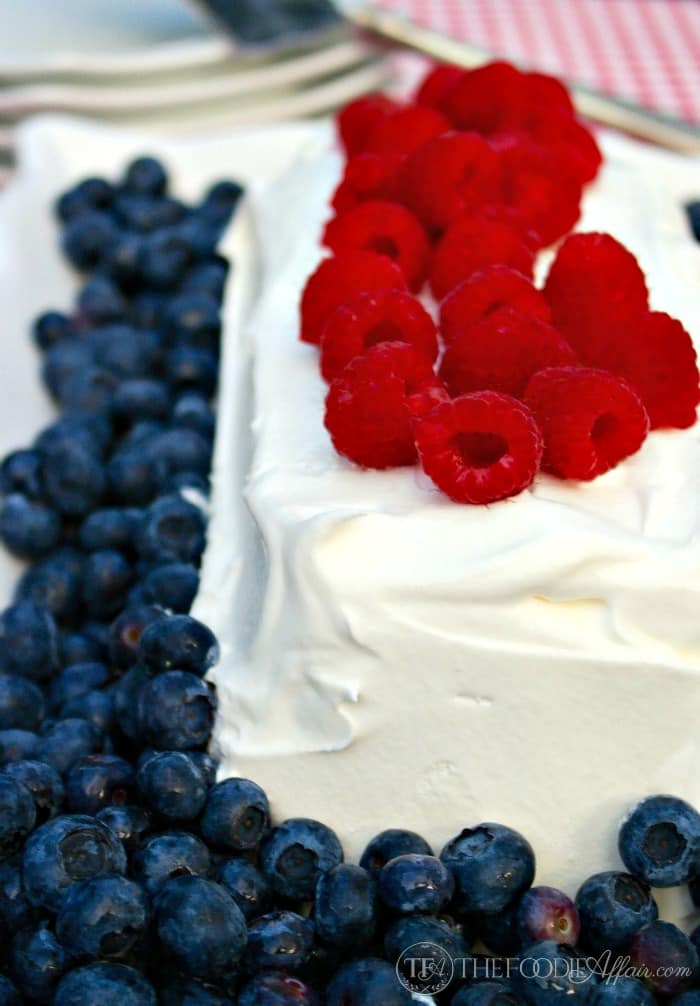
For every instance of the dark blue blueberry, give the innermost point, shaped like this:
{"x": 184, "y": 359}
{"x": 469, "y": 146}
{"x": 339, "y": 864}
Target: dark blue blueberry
{"x": 121, "y": 259}
{"x": 9, "y": 996}
{"x": 612, "y": 906}
{"x": 627, "y": 991}
{"x": 141, "y": 434}
{"x": 65, "y": 741}
{"x": 236, "y": 816}
{"x": 166, "y": 256}
{"x": 79, "y": 648}
{"x": 97, "y": 707}
{"x": 77, "y": 680}
{"x": 28, "y": 528}
{"x": 221, "y": 201}
{"x": 691, "y": 997}
{"x": 392, "y": 843}
{"x": 126, "y": 631}
{"x": 126, "y": 694}
{"x": 101, "y": 301}
{"x": 667, "y": 956}
{"x": 91, "y": 390}
{"x": 487, "y": 993}
{"x": 149, "y": 308}
{"x": 295, "y": 854}
{"x": 17, "y": 814}
{"x": 20, "y": 472}
{"x": 141, "y": 398}
{"x": 193, "y": 411}
{"x": 171, "y": 530}
{"x": 15, "y": 910}
{"x": 367, "y": 981}
{"x": 107, "y": 575}
{"x": 208, "y": 765}
{"x": 172, "y": 586}
{"x": 130, "y": 823}
{"x": 200, "y": 927}
{"x": 37, "y": 962}
{"x": 85, "y": 239}
{"x": 17, "y": 745}
{"x": 28, "y": 641}
{"x": 164, "y": 857}
{"x": 105, "y": 984}
{"x": 98, "y": 781}
{"x": 191, "y": 485}
{"x": 545, "y": 913}
{"x": 51, "y": 327}
{"x": 93, "y": 430}
{"x": 172, "y": 786}
{"x": 178, "y": 641}
{"x": 146, "y": 176}
{"x": 414, "y": 883}
{"x": 102, "y": 918}
{"x": 143, "y": 215}
{"x": 133, "y": 476}
{"x": 65, "y": 850}
{"x": 192, "y": 369}
{"x": 280, "y": 940}
{"x": 54, "y": 582}
{"x": 21, "y": 703}
{"x": 181, "y": 450}
{"x": 193, "y": 993}
{"x": 208, "y": 278}
{"x": 274, "y": 988}
{"x": 246, "y": 885}
{"x": 112, "y": 527}
{"x": 346, "y": 907}
{"x": 63, "y": 362}
{"x": 90, "y": 194}
{"x": 200, "y": 235}
{"x": 660, "y": 841}
{"x": 44, "y": 784}
{"x": 551, "y": 973}
{"x": 424, "y": 931}
{"x": 176, "y": 711}
{"x": 74, "y": 477}
{"x": 500, "y": 931}
{"x": 491, "y": 864}
{"x": 125, "y": 351}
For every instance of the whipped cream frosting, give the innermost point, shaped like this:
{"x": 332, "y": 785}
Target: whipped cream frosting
{"x": 392, "y": 659}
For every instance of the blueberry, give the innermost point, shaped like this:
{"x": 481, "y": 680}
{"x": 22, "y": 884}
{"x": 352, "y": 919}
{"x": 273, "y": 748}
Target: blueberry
{"x": 16, "y": 912}
{"x": 149, "y": 308}
{"x": 90, "y": 194}
{"x": 74, "y": 477}
{"x": 544, "y": 913}
{"x": 178, "y": 641}
{"x": 612, "y": 906}
{"x": 21, "y": 703}
{"x": 200, "y": 927}
{"x": 274, "y": 988}
{"x": 236, "y": 816}
{"x": 146, "y": 176}
{"x": 130, "y": 823}
{"x": 64, "y": 850}
{"x": 101, "y": 301}
{"x": 102, "y": 918}
{"x": 424, "y": 931}
{"x": 55, "y": 583}
{"x": 17, "y": 814}
{"x": 17, "y": 745}
{"x": 246, "y": 885}
{"x": 193, "y": 993}
{"x": 181, "y": 450}
{"x": 28, "y": 528}
{"x": 166, "y": 256}
{"x": 63, "y": 362}
{"x": 392, "y": 843}
{"x": 176, "y": 711}
{"x": 93, "y": 430}
{"x": 691, "y": 997}
{"x": 20, "y": 472}
{"x": 667, "y": 956}
{"x": 207, "y": 278}
{"x": 169, "y": 855}
{"x": 660, "y": 841}
{"x": 628, "y": 991}
{"x": 121, "y": 259}
{"x": 172, "y": 585}
{"x": 107, "y": 575}
{"x": 85, "y": 239}
{"x": 367, "y": 981}
{"x": 9, "y": 996}
{"x": 172, "y": 786}
{"x": 414, "y": 883}
{"x": 126, "y": 693}
{"x": 346, "y": 907}
{"x": 96, "y": 781}
{"x": 28, "y": 641}
{"x": 295, "y": 854}
{"x": 79, "y": 648}
{"x": 192, "y": 369}
{"x": 221, "y": 201}
{"x": 487, "y": 993}
{"x": 105, "y": 984}
{"x": 281, "y": 940}
{"x": 37, "y": 961}
{"x": 112, "y": 527}
{"x": 491, "y": 864}
{"x": 141, "y": 398}
{"x": 65, "y": 741}
{"x": 133, "y": 476}
{"x": 43, "y": 783}
{"x": 76, "y": 680}
{"x": 125, "y": 351}
{"x": 189, "y": 484}
{"x": 193, "y": 411}
{"x": 171, "y": 530}
{"x": 551, "y": 973}
{"x": 97, "y": 707}
{"x": 90, "y": 390}
{"x": 126, "y": 631}
{"x": 194, "y": 320}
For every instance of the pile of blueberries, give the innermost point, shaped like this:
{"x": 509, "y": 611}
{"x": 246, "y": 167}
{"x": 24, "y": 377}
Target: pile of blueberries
{"x": 128, "y": 875}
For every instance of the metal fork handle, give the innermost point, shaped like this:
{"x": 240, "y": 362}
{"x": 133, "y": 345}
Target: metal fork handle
{"x": 662, "y": 130}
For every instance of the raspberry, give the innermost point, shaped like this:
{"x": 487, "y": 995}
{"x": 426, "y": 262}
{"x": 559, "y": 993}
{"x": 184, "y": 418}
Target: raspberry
{"x": 449, "y": 175}
{"x": 470, "y": 245}
{"x": 339, "y": 278}
{"x": 487, "y": 100}
{"x": 587, "y": 304}
{"x": 501, "y": 353}
{"x": 479, "y": 448}
{"x": 571, "y": 142}
{"x": 486, "y": 292}
{"x": 502, "y": 214}
{"x": 542, "y": 187}
{"x": 549, "y": 95}
{"x": 367, "y": 408}
{"x": 366, "y": 176}
{"x": 436, "y": 83}
{"x": 373, "y": 318}
{"x": 357, "y": 119}
{"x": 405, "y": 130}
{"x": 387, "y": 229}
{"x": 590, "y": 420}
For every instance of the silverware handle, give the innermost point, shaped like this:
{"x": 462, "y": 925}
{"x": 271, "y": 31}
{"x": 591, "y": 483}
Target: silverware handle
{"x": 663, "y": 130}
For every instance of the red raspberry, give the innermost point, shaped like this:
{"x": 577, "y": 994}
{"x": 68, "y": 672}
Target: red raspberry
{"x": 502, "y": 214}
{"x": 387, "y": 229}
{"x": 542, "y": 187}
{"x": 570, "y": 141}
{"x": 367, "y": 409}
{"x": 487, "y": 100}
{"x": 356, "y": 120}
{"x": 366, "y": 176}
{"x": 593, "y": 286}
{"x": 436, "y": 83}
{"x": 373, "y": 318}
{"x": 405, "y": 130}
{"x": 449, "y": 175}
{"x": 479, "y": 448}
{"x": 470, "y": 245}
{"x": 656, "y": 355}
{"x": 590, "y": 420}
{"x": 549, "y": 95}
{"x": 339, "y": 278}
{"x": 485, "y": 293}
{"x": 501, "y": 353}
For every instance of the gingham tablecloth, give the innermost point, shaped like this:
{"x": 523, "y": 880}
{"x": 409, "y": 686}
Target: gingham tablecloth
{"x": 645, "y": 50}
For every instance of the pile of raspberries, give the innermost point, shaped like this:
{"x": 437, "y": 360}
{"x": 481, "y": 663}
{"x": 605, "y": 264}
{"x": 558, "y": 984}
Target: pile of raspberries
{"x": 460, "y": 189}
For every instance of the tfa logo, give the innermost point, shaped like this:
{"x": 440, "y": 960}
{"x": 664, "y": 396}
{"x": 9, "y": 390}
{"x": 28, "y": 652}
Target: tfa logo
{"x": 426, "y": 968}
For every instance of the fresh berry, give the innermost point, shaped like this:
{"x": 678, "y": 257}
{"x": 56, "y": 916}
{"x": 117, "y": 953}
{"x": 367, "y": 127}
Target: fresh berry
{"x": 146, "y": 176}
{"x": 28, "y": 641}
{"x": 486, "y": 100}
{"x": 74, "y": 478}
{"x": 17, "y": 814}
{"x": 28, "y": 528}
{"x": 405, "y": 129}
{"x": 545, "y": 913}
{"x": 236, "y": 815}
{"x": 97, "y": 781}
{"x": 64, "y": 742}
{"x": 107, "y": 575}
{"x": 499, "y": 931}
{"x": 612, "y": 906}
{"x": 372, "y": 318}
{"x": 414, "y": 883}
{"x": 623, "y": 990}
{"x": 43, "y": 783}
{"x": 392, "y": 843}
{"x": 89, "y": 194}
{"x": 102, "y": 918}
{"x": 340, "y": 278}
{"x": 357, "y": 118}
{"x": 660, "y": 841}
{"x": 479, "y": 448}
{"x": 491, "y": 864}
{"x": 17, "y": 745}
{"x": 552, "y": 973}
{"x": 76, "y": 680}
{"x": 346, "y": 907}
{"x": 126, "y": 630}
{"x": 279, "y": 941}
{"x": 20, "y": 472}
{"x": 366, "y": 176}
{"x": 172, "y": 786}
{"x": 542, "y": 187}
{"x": 160, "y": 858}
{"x": 590, "y": 420}
{"x": 172, "y": 585}
{"x": 86, "y": 237}
{"x": 436, "y": 83}
{"x": 668, "y": 959}
{"x": 274, "y": 988}
{"x": 110, "y": 528}
{"x": 570, "y": 141}
{"x": 178, "y": 642}
{"x": 176, "y": 711}
{"x": 470, "y": 245}
{"x": 22, "y": 705}
{"x": 411, "y": 930}
{"x": 367, "y": 407}
{"x": 104, "y": 983}
{"x": 485, "y": 293}
{"x": 295, "y": 854}
{"x": 171, "y": 530}
{"x": 130, "y": 823}
{"x": 37, "y": 961}
{"x": 366, "y": 981}
{"x": 246, "y": 885}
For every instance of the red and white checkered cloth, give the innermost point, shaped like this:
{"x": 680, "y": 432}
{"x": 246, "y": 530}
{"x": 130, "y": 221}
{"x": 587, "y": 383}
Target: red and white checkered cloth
{"x": 645, "y": 50}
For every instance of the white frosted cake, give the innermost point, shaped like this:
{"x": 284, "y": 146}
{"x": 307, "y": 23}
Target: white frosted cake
{"x": 393, "y": 659}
